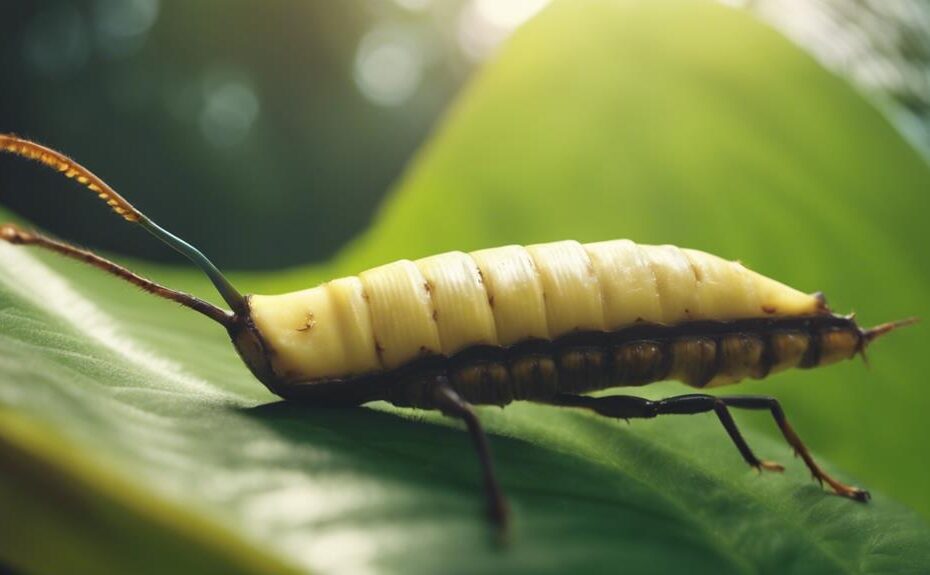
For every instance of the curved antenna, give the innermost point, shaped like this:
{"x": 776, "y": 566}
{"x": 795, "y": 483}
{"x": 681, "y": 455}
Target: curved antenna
{"x": 18, "y": 236}
{"x": 72, "y": 170}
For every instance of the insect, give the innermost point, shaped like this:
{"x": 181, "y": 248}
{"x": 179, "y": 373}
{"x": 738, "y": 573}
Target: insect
{"x": 544, "y": 323}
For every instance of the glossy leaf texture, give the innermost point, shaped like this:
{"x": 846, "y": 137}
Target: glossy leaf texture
{"x": 132, "y": 438}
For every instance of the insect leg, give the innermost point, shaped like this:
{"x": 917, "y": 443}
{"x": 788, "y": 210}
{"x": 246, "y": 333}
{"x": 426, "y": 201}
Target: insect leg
{"x": 630, "y": 407}
{"x": 449, "y": 403}
{"x": 771, "y": 404}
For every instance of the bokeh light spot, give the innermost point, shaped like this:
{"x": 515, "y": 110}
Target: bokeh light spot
{"x": 508, "y": 13}
{"x": 121, "y": 25}
{"x": 413, "y": 5}
{"x": 484, "y": 24}
{"x": 230, "y": 109}
{"x": 388, "y": 66}
{"x": 55, "y": 43}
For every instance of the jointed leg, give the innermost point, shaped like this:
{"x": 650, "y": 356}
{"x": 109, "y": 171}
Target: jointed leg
{"x": 723, "y": 414}
{"x": 630, "y": 407}
{"x": 626, "y": 407}
{"x": 770, "y": 403}
{"x": 449, "y": 402}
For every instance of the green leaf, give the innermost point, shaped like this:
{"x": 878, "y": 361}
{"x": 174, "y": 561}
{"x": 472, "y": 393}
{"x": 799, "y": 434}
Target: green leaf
{"x": 133, "y": 440}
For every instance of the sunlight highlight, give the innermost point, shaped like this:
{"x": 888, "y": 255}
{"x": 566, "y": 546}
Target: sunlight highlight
{"x": 388, "y": 66}
{"x": 34, "y": 282}
{"x": 484, "y": 24}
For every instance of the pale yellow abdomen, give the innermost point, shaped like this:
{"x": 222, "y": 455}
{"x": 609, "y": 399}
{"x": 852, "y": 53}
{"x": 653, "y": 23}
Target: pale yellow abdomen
{"x": 393, "y": 314}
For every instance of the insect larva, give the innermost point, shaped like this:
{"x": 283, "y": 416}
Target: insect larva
{"x": 544, "y": 323}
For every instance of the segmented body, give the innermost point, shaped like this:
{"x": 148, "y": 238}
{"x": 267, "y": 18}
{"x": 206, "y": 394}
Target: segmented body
{"x": 517, "y": 323}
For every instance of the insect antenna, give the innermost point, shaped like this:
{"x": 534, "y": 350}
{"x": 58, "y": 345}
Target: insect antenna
{"x": 72, "y": 170}
{"x": 18, "y": 236}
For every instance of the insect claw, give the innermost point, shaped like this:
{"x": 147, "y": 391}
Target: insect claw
{"x": 860, "y": 495}
{"x": 499, "y": 515}
{"x": 770, "y": 466}
{"x": 854, "y": 493}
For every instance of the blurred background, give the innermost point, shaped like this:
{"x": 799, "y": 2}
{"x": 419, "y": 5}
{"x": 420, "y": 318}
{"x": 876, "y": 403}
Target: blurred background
{"x": 266, "y": 133}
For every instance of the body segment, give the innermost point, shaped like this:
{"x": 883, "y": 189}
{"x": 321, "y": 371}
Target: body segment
{"x": 535, "y": 320}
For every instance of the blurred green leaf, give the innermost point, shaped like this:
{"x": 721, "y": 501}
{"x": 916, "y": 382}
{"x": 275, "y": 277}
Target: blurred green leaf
{"x": 132, "y": 439}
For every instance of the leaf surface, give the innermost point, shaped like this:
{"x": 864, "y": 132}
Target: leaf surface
{"x": 132, "y": 438}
